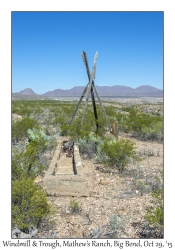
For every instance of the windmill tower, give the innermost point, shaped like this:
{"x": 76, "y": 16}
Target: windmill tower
{"x": 90, "y": 89}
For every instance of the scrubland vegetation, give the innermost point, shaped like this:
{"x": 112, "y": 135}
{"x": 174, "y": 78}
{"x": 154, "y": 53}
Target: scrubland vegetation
{"x": 34, "y": 136}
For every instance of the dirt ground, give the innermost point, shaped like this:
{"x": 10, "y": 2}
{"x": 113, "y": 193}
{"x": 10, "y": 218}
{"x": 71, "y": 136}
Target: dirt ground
{"x": 118, "y": 199}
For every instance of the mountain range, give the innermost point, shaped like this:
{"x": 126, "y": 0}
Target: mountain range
{"x": 27, "y": 91}
{"x": 116, "y": 90}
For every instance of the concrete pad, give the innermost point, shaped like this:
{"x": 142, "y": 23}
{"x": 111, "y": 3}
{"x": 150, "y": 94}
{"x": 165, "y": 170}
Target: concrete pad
{"x": 64, "y": 165}
{"x": 60, "y": 185}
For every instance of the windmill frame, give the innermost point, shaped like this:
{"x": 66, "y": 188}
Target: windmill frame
{"x": 90, "y": 89}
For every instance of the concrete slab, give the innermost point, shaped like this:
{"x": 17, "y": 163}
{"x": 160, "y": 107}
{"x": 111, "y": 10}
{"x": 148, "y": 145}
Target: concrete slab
{"x": 60, "y": 185}
{"x": 64, "y": 165}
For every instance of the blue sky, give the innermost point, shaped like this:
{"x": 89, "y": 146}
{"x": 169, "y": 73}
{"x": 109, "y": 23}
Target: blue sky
{"x": 47, "y": 47}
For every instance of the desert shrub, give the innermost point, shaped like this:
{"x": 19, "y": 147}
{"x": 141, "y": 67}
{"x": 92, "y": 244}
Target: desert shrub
{"x": 100, "y": 156}
{"x": 27, "y": 162}
{"x": 144, "y": 126}
{"x": 153, "y": 226}
{"x": 153, "y": 132}
{"x": 17, "y": 169}
{"x": 22, "y": 108}
{"x": 142, "y": 186}
{"x": 154, "y": 213}
{"x": 117, "y": 223}
{"x": 127, "y": 108}
{"x": 89, "y": 145}
{"x": 30, "y": 158}
{"x": 119, "y": 153}
{"x": 74, "y": 205}
{"x": 29, "y": 204}
{"x": 52, "y": 142}
{"x": 27, "y": 159}
{"x": 19, "y": 128}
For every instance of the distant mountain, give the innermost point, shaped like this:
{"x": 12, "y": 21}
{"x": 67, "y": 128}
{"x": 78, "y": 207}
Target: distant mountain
{"x": 115, "y": 90}
{"x": 18, "y": 97}
{"x": 75, "y": 91}
{"x": 148, "y": 90}
{"x": 27, "y": 91}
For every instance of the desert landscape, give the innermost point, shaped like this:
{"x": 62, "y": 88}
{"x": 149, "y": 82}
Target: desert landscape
{"x": 124, "y": 198}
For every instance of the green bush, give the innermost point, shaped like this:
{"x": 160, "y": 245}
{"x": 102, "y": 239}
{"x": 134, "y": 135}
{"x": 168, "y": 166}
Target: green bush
{"x": 22, "y": 108}
{"x": 74, "y": 205}
{"x": 144, "y": 126}
{"x": 154, "y": 213}
{"x": 89, "y": 145}
{"x": 30, "y": 158}
{"x": 29, "y": 204}
{"x": 119, "y": 153}
{"x": 26, "y": 162}
{"x": 17, "y": 169}
{"x": 20, "y": 128}
{"x": 153, "y": 132}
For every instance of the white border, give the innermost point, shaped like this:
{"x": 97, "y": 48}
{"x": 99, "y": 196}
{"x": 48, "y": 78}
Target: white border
{"x": 5, "y": 94}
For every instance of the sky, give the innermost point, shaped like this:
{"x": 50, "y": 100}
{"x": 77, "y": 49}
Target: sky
{"x": 47, "y": 47}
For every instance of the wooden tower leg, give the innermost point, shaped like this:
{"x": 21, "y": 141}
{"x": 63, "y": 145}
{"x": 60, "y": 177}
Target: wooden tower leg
{"x": 87, "y": 98}
{"x": 109, "y": 126}
{"x": 115, "y": 129}
{"x": 83, "y": 94}
{"x": 95, "y": 109}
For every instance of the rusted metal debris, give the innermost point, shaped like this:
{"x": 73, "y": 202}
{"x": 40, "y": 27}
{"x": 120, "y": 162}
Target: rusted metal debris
{"x": 68, "y": 147}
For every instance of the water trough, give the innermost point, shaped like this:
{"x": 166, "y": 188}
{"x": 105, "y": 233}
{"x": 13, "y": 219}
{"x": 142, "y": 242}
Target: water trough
{"x": 65, "y": 175}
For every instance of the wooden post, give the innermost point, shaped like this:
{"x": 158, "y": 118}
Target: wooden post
{"x": 94, "y": 107}
{"x": 115, "y": 129}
